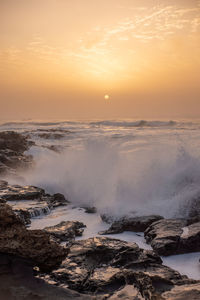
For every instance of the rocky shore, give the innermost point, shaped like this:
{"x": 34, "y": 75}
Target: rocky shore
{"x": 12, "y": 148}
{"x": 59, "y": 267}
{"x": 51, "y": 264}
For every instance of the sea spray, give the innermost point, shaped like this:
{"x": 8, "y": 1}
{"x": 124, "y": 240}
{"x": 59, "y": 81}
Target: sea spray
{"x": 151, "y": 178}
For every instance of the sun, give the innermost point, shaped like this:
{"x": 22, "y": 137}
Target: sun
{"x": 106, "y": 97}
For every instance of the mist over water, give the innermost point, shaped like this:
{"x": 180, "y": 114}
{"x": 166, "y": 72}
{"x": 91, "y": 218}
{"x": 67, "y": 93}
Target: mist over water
{"x": 122, "y": 170}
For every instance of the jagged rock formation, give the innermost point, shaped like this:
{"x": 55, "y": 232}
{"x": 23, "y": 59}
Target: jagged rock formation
{"x": 34, "y": 245}
{"x": 109, "y": 267}
{"x": 135, "y": 224}
{"x": 29, "y": 201}
{"x": 66, "y": 231}
{"x": 173, "y": 236}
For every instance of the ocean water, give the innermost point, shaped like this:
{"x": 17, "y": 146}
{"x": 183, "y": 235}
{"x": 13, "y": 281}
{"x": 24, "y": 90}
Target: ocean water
{"x": 121, "y": 167}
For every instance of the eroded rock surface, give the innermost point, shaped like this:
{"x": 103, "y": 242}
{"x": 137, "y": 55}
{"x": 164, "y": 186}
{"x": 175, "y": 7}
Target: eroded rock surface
{"x": 186, "y": 292}
{"x": 29, "y": 201}
{"x": 136, "y": 224}
{"x": 173, "y": 236}
{"x": 111, "y": 267}
{"x": 17, "y": 282}
{"x": 34, "y": 245}
{"x": 66, "y": 231}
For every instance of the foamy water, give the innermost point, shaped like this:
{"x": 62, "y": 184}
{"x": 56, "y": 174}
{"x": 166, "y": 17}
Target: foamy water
{"x": 137, "y": 166}
{"x": 117, "y": 166}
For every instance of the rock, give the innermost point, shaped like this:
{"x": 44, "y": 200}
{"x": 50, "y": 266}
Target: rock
{"x": 129, "y": 292}
{"x": 34, "y": 245}
{"x": 17, "y": 192}
{"x": 66, "y": 231}
{"x": 193, "y": 220}
{"x": 25, "y": 215}
{"x": 29, "y": 201}
{"x": 54, "y": 148}
{"x": 90, "y": 210}
{"x": 173, "y": 236}
{"x": 59, "y": 200}
{"x": 136, "y": 224}
{"x": 111, "y": 267}
{"x": 109, "y": 219}
{"x": 185, "y": 292}
{"x": 14, "y": 141}
{"x": 3, "y": 184}
{"x": 12, "y": 148}
{"x": 18, "y": 283}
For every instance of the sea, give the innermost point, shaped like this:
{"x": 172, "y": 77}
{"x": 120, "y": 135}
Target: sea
{"x": 121, "y": 167}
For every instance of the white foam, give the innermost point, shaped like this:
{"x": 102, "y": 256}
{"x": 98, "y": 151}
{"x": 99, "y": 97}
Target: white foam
{"x": 92, "y": 221}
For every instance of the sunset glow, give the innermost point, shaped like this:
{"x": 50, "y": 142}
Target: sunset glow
{"x": 65, "y": 53}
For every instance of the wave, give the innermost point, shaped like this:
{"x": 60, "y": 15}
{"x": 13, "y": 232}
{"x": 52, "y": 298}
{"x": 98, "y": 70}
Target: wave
{"x": 35, "y": 123}
{"x": 141, "y": 123}
{"x": 158, "y": 179}
{"x": 109, "y": 123}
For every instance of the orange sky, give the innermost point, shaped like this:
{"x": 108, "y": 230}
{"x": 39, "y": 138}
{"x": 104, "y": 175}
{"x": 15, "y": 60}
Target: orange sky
{"x": 58, "y": 58}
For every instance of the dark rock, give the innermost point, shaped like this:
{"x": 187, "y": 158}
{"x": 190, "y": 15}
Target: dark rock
{"x": 54, "y": 148}
{"x": 18, "y": 283}
{"x": 12, "y": 148}
{"x": 59, "y": 200}
{"x": 185, "y": 292}
{"x": 14, "y": 141}
{"x": 136, "y": 224}
{"x": 34, "y": 245}
{"x": 25, "y": 215}
{"x": 109, "y": 267}
{"x": 193, "y": 220}
{"x": 3, "y": 184}
{"x": 173, "y": 236}
{"x": 129, "y": 292}
{"x": 90, "y": 210}
{"x": 30, "y": 201}
{"x": 17, "y": 192}
{"x": 109, "y": 219}
{"x": 66, "y": 231}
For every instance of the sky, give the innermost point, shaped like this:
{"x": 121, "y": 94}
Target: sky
{"x": 59, "y": 58}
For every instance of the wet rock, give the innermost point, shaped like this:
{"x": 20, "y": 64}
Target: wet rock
{"x": 108, "y": 267}
{"x": 14, "y": 141}
{"x": 30, "y": 201}
{"x": 129, "y": 292}
{"x": 59, "y": 200}
{"x": 12, "y": 148}
{"x": 173, "y": 236}
{"x": 193, "y": 220}
{"x": 54, "y": 148}
{"x": 109, "y": 219}
{"x": 34, "y": 245}
{"x": 3, "y": 184}
{"x": 25, "y": 215}
{"x": 17, "y": 192}
{"x": 136, "y": 224}
{"x": 66, "y": 231}
{"x": 90, "y": 210}
{"x": 185, "y": 292}
{"x": 18, "y": 283}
